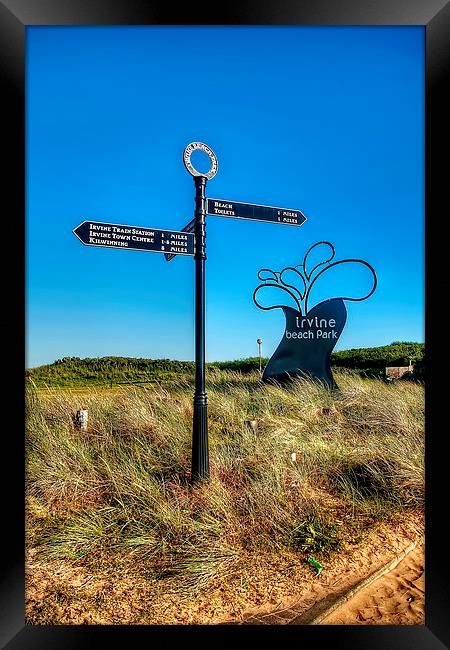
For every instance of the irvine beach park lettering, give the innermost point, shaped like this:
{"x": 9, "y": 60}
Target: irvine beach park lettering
{"x": 309, "y": 334}
{"x": 321, "y": 325}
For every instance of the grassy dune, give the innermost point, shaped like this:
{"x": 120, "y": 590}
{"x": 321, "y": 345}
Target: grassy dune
{"x": 121, "y": 490}
{"x": 112, "y": 371}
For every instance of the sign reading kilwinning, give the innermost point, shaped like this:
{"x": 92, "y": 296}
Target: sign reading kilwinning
{"x": 136, "y": 238}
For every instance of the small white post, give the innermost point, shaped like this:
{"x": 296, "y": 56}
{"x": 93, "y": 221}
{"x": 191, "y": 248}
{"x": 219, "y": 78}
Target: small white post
{"x": 252, "y": 425}
{"x": 259, "y": 341}
{"x": 81, "y": 419}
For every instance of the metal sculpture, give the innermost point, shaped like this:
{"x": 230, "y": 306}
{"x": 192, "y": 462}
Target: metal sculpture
{"x": 310, "y": 335}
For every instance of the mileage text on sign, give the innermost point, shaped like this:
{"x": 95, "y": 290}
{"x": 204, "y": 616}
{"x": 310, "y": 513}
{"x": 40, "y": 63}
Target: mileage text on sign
{"x": 95, "y": 233}
{"x": 233, "y": 209}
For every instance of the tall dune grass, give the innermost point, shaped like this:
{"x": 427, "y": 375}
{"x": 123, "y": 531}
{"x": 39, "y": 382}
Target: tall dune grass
{"x": 123, "y": 487}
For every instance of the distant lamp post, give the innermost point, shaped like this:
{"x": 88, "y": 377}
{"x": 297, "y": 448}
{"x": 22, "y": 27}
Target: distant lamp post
{"x": 259, "y": 341}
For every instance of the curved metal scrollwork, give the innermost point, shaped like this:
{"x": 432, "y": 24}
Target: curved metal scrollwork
{"x": 303, "y": 265}
{"x": 344, "y": 297}
{"x": 275, "y": 279}
{"x": 277, "y": 286}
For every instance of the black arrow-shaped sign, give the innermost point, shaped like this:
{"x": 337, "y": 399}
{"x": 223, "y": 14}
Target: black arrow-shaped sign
{"x": 138, "y": 238}
{"x": 233, "y": 209}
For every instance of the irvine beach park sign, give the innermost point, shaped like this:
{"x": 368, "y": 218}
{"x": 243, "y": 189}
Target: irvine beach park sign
{"x": 310, "y": 334}
{"x": 191, "y": 240}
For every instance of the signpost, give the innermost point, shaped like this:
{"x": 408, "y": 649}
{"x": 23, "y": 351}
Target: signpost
{"x": 190, "y": 240}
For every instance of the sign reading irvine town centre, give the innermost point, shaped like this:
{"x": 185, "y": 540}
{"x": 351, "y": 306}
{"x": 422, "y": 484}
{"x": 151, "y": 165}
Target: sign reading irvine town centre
{"x": 190, "y": 240}
{"x": 96, "y": 233}
{"x": 310, "y": 334}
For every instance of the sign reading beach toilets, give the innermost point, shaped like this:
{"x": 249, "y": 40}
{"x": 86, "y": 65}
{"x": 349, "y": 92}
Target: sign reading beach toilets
{"x": 224, "y": 208}
{"x": 189, "y": 240}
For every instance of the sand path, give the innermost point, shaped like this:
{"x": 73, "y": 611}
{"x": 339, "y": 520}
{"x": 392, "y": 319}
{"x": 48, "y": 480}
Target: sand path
{"x": 397, "y": 598}
{"x": 382, "y": 583}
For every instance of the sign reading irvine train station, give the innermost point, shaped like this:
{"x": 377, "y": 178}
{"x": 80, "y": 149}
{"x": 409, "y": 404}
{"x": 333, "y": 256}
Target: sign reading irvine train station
{"x": 113, "y": 235}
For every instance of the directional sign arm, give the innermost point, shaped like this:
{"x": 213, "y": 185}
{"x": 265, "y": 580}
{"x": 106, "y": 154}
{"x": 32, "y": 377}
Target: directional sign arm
{"x": 236, "y": 210}
{"x": 156, "y": 240}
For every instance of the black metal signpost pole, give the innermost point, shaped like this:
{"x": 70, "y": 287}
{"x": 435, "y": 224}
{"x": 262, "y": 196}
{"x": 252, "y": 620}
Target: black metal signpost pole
{"x": 200, "y": 454}
{"x": 200, "y": 457}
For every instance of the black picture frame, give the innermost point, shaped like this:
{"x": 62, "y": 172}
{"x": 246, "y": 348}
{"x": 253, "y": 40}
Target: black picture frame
{"x": 15, "y": 17}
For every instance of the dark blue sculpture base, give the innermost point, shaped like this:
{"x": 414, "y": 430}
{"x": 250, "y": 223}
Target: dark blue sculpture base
{"x": 307, "y": 343}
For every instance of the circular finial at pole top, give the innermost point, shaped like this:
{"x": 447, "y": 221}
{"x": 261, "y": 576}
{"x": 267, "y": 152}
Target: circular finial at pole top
{"x": 209, "y": 152}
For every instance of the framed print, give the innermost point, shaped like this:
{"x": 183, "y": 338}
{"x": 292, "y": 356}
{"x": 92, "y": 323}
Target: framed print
{"x": 250, "y": 151}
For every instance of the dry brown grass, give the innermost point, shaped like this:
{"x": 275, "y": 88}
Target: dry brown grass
{"x": 120, "y": 494}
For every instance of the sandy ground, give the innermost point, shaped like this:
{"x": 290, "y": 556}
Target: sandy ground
{"x": 397, "y": 598}
{"x": 265, "y": 589}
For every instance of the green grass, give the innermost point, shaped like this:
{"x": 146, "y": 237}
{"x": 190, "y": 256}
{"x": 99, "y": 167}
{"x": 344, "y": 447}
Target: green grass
{"x": 122, "y": 488}
{"x": 314, "y": 535}
{"x": 116, "y": 371}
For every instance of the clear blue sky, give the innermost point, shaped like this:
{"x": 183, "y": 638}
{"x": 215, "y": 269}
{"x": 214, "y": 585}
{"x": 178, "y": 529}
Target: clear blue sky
{"x": 328, "y": 120}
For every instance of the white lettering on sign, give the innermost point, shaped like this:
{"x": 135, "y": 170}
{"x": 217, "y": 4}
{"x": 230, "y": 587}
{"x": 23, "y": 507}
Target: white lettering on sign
{"x": 149, "y": 240}
{"x": 122, "y": 237}
{"x": 287, "y": 216}
{"x": 317, "y": 322}
{"x": 122, "y": 230}
{"x": 228, "y": 212}
{"x": 94, "y": 226}
{"x": 105, "y": 235}
{"x": 217, "y": 204}
{"x": 227, "y": 208}
{"x": 107, "y": 242}
{"x": 209, "y": 152}
{"x": 313, "y": 328}
{"x": 147, "y": 233}
{"x": 135, "y": 238}
{"x": 311, "y": 334}
{"x": 223, "y": 208}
